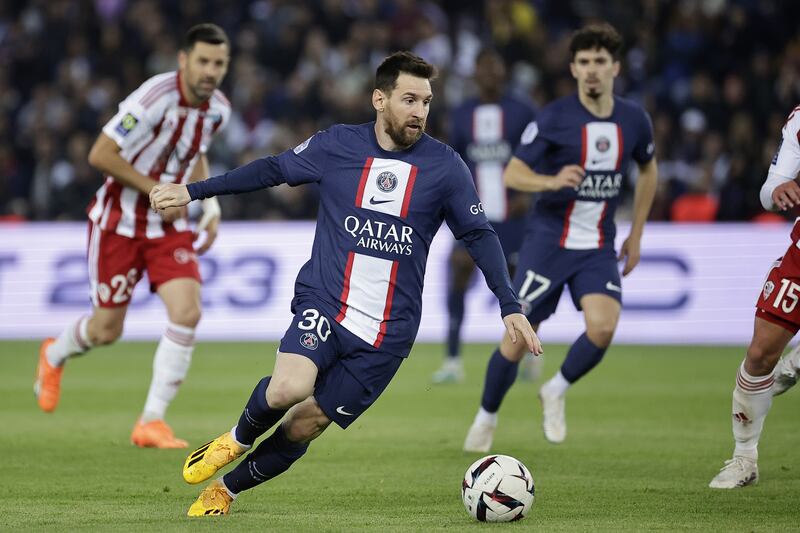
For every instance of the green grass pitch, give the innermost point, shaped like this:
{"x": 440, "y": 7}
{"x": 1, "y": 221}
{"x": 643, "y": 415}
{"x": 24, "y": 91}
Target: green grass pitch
{"x": 647, "y": 431}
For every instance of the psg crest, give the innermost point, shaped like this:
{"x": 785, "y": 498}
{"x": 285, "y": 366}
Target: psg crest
{"x": 602, "y": 144}
{"x": 387, "y": 182}
{"x": 309, "y": 341}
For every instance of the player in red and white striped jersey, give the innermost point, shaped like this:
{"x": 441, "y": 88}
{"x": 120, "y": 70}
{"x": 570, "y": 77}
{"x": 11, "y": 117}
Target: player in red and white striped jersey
{"x": 160, "y": 134}
{"x": 761, "y": 375}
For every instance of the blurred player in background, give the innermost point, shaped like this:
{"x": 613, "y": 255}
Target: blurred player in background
{"x": 485, "y": 131}
{"x": 761, "y": 375}
{"x": 576, "y": 156}
{"x": 160, "y": 134}
{"x": 385, "y": 188}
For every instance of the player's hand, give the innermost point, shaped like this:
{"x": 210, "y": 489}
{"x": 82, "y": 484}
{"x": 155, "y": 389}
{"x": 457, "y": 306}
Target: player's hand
{"x": 570, "y": 176}
{"x": 631, "y": 252}
{"x": 166, "y": 195}
{"x": 517, "y": 324}
{"x": 171, "y": 214}
{"x": 786, "y": 195}
{"x": 211, "y": 235}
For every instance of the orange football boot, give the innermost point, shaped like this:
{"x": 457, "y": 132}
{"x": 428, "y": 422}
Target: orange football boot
{"x": 47, "y": 386}
{"x": 155, "y": 434}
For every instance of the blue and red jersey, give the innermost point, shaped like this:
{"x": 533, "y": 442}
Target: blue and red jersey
{"x": 566, "y": 133}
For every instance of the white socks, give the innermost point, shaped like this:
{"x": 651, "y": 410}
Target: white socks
{"x": 557, "y": 385}
{"x": 74, "y": 340}
{"x": 752, "y": 399}
{"x": 170, "y": 365}
{"x": 485, "y": 418}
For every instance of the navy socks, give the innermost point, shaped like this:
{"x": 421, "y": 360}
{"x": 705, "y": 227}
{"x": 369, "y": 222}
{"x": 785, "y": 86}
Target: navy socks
{"x": 500, "y": 375}
{"x": 257, "y": 416}
{"x": 583, "y": 356}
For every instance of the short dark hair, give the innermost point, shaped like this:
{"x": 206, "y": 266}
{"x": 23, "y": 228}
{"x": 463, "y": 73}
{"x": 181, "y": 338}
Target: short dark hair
{"x": 204, "y": 33}
{"x": 391, "y": 67}
{"x": 596, "y": 36}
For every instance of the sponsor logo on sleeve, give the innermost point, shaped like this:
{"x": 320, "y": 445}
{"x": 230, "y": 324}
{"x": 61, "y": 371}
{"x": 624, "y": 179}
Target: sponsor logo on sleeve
{"x": 127, "y": 124}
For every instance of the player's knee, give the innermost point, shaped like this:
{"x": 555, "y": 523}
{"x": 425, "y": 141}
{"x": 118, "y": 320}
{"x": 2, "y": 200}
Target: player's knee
{"x": 513, "y": 352}
{"x": 187, "y": 315}
{"x": 283, "y": 394}
{"x": 761, "y": 359}
{"x": 601, "y": 333}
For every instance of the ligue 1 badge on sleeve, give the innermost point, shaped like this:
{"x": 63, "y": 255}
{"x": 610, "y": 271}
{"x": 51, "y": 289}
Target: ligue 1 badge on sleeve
{"x": 127, "y": 123}
{"x": 768, "y": 288}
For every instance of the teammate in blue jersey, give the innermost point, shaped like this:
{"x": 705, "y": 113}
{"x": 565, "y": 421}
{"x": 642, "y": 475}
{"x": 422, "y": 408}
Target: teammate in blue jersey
{"x": 385, "y": 188}
{"x": 484, "y": 131}
{"x": 575, "y": 156}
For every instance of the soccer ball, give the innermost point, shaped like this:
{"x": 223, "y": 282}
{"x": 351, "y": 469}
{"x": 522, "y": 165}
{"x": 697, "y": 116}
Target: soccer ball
{"x": 497, "y": 488}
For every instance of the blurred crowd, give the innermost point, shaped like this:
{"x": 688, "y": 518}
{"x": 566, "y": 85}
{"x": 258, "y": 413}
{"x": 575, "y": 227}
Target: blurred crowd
{"x": 717, "y": 76}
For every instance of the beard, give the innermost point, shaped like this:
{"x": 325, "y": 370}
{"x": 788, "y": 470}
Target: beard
{"x": 401, "y": 135}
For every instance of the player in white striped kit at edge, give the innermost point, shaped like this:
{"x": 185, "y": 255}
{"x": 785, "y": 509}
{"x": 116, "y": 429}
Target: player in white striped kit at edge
{"x": 160, "y": 134}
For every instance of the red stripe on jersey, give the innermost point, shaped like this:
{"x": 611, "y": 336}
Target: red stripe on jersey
{"x": 620, "y": 146}
{"x": 412, "y": 177}
{"x": 363, "y": 183}
{"x": 583, "y": 145}
{"x": 160, "y": 164}
{"x": 114, "y": 192}
{"x": 198, "y": 135}
{"x": 140, "y": 224}
{"x": 156, "y": 131}
{"x": 600, "y": 225}
{"x": 348, "y": 271}
{"x": 387, "y": 310}
{"x": 570, "y": 207}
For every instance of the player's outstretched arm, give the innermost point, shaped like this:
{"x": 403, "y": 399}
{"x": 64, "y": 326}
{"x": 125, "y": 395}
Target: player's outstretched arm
{"x": 519, "y": 176}
{"x": 517, "y": 326}
{"x": 166, "y": 195}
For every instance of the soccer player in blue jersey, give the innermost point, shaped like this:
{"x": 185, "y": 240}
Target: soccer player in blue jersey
{"x": 485, "y": 130}
{"x": 575, "y": 156}
{"x": 385, "y": 188}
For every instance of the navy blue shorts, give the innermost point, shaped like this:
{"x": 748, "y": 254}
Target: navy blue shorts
{"x": 544, "y": 270}
{"x": 352, "y": 374}
{"x": 511, "y": 233}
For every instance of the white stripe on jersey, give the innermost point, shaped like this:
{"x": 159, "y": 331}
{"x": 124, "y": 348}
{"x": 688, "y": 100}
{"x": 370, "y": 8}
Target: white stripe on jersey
{"x": 384, "y": 186}
{"x": 128, "y": 199}
{"x": 487, "y": 126}
{"x": 583, "y": 225}
{"x": 369, "y": 284}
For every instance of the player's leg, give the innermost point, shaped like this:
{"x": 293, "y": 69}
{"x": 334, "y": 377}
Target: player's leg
{"x": 291, "y": 382}
{"x": 114, "y": 269}
{"x": 601, "y": 314}
{"x": 501, "y": 372}
{"x": 539, "y": 281}
{"x": 752, "y": 399}
{"x": 461, "y": 267}
{"x": 103, "y": 326}
{"x": 173, "y": 357}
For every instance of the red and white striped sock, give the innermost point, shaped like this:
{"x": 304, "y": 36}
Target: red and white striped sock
{"x": 73, "y": 340}
{"x": 752, "y": 398}
{"x": 170, "y": 366}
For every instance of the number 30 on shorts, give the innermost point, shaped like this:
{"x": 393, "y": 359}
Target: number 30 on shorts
{"x": 787, "y": 296}
{"x": 530, "y": 277}
{"x": 312, "y": 319}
